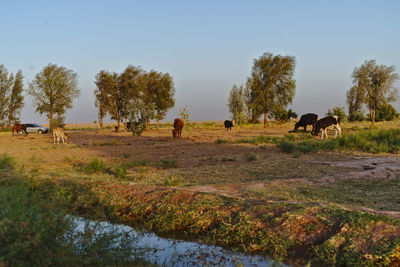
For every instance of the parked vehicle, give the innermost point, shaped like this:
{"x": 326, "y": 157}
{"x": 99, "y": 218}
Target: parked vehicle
{"x": 36, "y": 128}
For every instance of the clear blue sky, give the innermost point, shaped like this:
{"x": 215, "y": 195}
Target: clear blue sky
{"x": 207, "y": 46}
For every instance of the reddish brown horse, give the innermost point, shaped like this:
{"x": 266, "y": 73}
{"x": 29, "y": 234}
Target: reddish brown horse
{"x": 19, "y": 128}
{"x": 178, "y": 125}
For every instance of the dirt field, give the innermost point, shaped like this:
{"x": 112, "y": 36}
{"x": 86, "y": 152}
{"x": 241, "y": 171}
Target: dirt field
{"x": 199, "y": 163}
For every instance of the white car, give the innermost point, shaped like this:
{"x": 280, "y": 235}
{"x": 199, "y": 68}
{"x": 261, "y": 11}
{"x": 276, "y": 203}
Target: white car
{"x": 36, "y": 128}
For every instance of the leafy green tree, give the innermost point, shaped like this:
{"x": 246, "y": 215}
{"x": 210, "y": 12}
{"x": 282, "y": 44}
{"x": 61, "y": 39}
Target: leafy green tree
{"x": 6, "y": 82}
{"x": 158, "y": 91}
{"x": 373, "y": 85}
{"x": 53, "y": 91}
{"x": 236, "y": 104}
{"x": 16, "y": 102}
{"x": 115, "y": 97}
{"x": 272, "y": 84}
{"x": 337, "y": 111}
{"x": 130, "y": 86}
{"x": 386, "y": 112}
{"x": 103, "y": 82}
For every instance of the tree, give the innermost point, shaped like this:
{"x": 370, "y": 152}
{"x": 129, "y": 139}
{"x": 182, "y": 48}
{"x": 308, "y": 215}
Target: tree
{"x": 101, "y": 95}
{"x": 6, "y": 82}
{"x": 130, "y": 86}
{"x": 271, "y": 83}
{"x": 373, "y": 85}
{"x": 138, "y": 113}
{"x": 53, "y": 91}
{"x": 115, "y": 97}
{"x": 337, "y": 111}
{"x": 16, "y": 99}
{"x": 159, "y": 91}
{"x": 236, "y": 104}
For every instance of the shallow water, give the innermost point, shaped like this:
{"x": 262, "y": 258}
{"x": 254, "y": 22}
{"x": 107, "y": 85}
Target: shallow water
{"x": 171, "y": 252}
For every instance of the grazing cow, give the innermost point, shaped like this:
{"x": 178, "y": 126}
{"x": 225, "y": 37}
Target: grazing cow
{"x": 19, "y": 128}
{"x": 58, "y": 133}
{"x": 228, "y": 125}
{"x": 306, "y": 119}
{"x": 324, "y": 123}
{"x": 178, "y": 125}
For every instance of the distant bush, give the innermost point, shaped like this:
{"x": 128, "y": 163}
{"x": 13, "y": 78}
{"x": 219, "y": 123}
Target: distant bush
{"x": 168, "y": 163}
{"x": 356, "y": 116}
{"x": 386, "y": 112}
{"x": 337, "y": 111}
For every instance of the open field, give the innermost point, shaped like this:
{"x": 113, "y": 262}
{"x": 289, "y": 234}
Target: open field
{"x": 235, "y": 189}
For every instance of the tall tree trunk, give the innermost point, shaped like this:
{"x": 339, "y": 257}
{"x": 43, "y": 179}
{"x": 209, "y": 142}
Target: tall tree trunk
{"x": 51, "y": 120}
{"x": 119, "y": 122}
{"x": 265, "y": 119}
{"x": 101, "y": 122}
{"x": 373, "y": 116}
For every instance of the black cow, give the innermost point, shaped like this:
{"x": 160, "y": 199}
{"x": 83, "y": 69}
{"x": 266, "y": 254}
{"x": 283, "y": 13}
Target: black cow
{"x": 228, "y": 125}
{"x": 324, "y": 123}
{"x": 306, "y": 119}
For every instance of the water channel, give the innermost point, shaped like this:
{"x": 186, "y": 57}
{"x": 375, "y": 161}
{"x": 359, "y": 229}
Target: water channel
{"x": 171, "y": 252}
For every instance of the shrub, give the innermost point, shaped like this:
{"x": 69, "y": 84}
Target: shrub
{"x": 356, "y": 116}
{"x": 308, "y": 146}
{"x": 337, "y": 111}
{"x": 250, "y": 157}
{"x": 7, "y": 163}
{"x": 221, "y": 141}
{"x": 286, "y": 146}
{"x": 168, "y": 163}
{"x": 95, "y": 165}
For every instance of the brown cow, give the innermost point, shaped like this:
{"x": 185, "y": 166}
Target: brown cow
{"x": 178, "y": 125}
{"x": 19, "y": 128}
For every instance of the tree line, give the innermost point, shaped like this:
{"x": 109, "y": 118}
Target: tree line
{"x": 270, "y": 88}
{"x": 134, "y": 95}
{"x": 139, "y": 96}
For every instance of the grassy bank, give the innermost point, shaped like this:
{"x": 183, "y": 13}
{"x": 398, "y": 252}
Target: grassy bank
{"x": 299, "y": 233}
{"x": 36, "y": 231}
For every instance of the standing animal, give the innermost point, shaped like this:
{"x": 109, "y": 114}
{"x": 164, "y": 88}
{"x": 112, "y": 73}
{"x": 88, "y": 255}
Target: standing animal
{"x": 178, "y": 125}
{"x": 228, "y": 125}
{"x": 306, "y": 119}
{"x": 19, "y": 128}
{"x": 327, "y": 122}
{"x": 58, "y": 133}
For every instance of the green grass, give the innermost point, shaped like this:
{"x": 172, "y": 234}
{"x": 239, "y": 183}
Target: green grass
{"x": 369, "y": 140}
